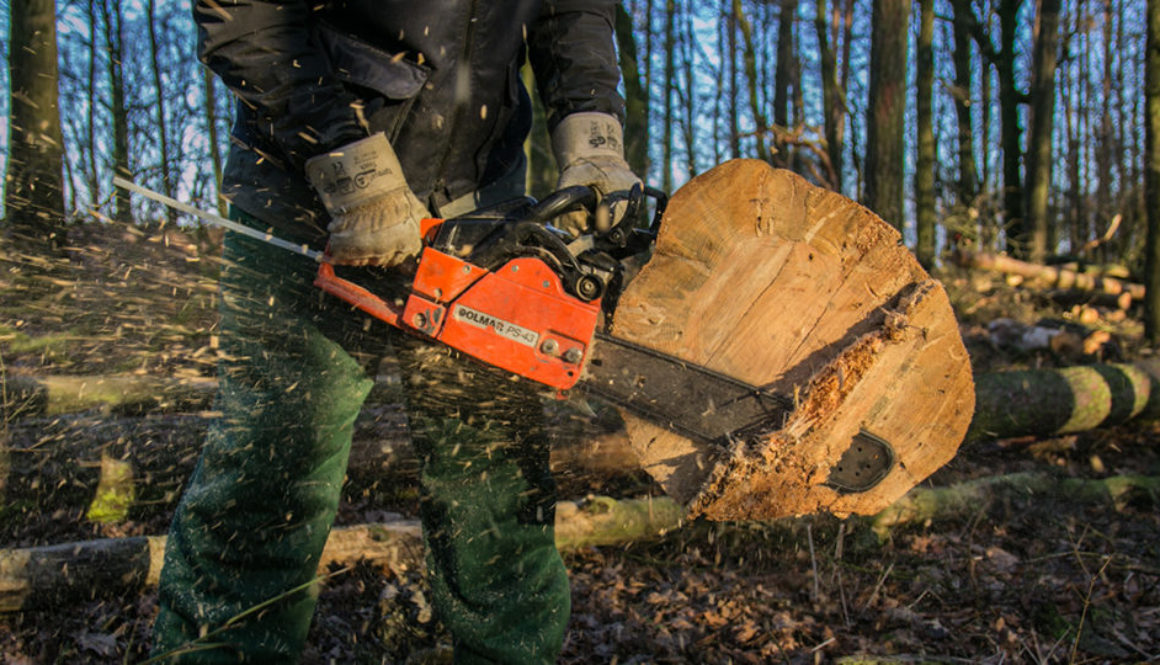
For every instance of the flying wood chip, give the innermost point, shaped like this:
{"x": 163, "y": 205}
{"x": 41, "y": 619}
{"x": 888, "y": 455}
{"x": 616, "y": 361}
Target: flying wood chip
{"x": 762, "y": 276}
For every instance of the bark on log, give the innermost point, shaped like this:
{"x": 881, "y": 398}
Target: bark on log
{"x": 968, "y": 498}
{"x": 1059, "y": 401}
{"x": 57, "y": 463}
{"x": 1065, "y": 298}
{"x": 27, "y": 396}
{"x": 1050, "y": 276}
{"x": 761, "y": 276}
{"x": 40, "y": 577}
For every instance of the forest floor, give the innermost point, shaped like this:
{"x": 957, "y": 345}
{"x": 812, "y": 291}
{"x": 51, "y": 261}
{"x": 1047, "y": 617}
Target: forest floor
{"x": 1025, "y": 579}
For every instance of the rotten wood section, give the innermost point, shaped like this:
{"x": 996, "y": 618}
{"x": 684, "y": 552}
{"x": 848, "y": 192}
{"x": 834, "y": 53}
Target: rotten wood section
{"x": 762, "y": 276}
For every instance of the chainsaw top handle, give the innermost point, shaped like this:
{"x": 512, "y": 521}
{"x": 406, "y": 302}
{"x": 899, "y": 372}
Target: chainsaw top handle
{"x": 571, "y": 198}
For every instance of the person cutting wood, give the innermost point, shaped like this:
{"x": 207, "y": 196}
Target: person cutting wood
{"x": 355, "y": 120}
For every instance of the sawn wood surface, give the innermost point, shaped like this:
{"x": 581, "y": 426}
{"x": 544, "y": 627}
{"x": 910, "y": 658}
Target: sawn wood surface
{"x": 762, "y": 276}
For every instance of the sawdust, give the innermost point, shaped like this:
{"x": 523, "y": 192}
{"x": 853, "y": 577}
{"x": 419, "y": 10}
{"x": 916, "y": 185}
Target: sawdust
{"x": 781, "y": 473}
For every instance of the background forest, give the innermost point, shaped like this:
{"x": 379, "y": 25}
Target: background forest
{"x": 1008, "y": 124}
{"x": 977, "y": 127}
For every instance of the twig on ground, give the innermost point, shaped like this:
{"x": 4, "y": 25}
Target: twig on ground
{"x": 813, "y": 563}
{"x": 878, "y": 587}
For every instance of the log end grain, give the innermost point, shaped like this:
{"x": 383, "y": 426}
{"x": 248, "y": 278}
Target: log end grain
{"x": 759, "y": 275}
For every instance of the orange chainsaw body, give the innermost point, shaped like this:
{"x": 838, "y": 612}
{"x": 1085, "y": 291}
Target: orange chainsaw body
{"x": 517, "y": 317}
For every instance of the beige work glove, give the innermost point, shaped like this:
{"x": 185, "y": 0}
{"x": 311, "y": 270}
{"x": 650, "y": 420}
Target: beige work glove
{"x": 589, "y": 149}
{"x": 374, "y": 215}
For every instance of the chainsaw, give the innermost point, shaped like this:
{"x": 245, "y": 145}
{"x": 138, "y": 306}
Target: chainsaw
{"x": 506, "y": 288}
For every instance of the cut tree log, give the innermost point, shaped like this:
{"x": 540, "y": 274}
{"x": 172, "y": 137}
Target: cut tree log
{"x": 54, "y": 463}
{"x": 43, "y": 577}
{"x": 57, "y": 463}
{"x": 1060, "y": 401}
{"x": 968, "y": 498}
{"x": 26, "y": 396}
{"x": 1049, "y": 276}
{"x": 761, "y": 276}
{"x": 1121, "y": 301}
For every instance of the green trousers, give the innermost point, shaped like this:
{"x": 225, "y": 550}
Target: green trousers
{"x": 248, "y": 533}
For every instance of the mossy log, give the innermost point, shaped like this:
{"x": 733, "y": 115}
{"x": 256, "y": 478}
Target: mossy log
{"x": 968, "y": 498}
{"x": 39, "y": 577}
{"x": 55, "y": 463}
{"x": 1045, "y": 402}
{"x": 27, "y": 396}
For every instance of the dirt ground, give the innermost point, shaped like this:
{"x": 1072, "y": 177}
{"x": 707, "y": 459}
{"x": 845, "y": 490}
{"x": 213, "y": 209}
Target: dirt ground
{"x": 1031, "y": 577}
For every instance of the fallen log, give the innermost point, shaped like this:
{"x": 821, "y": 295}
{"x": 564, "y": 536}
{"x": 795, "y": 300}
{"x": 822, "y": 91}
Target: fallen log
{"x": 57, "y": 463}
{"x": 27, "y": 396}
{"x": 1050, "y": 276}
{"x": 968, "y": 498}
{"x": 761, "y": 276}
{"x": 1117, "y": 301}
{"x": 145, "y": 461}
{"x": 42, "y": 577}
{"x": 1047, "y": 402}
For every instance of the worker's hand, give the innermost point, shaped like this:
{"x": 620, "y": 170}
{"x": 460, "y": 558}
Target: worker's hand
{"x": 589, "y": 150}
{"x": 374, "y": 215}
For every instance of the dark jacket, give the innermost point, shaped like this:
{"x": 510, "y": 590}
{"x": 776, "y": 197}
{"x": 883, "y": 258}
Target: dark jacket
{"x": 440, "y": 77}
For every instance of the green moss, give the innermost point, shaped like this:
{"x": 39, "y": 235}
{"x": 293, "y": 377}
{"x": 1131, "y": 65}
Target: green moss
{"x": 116, "y": 493}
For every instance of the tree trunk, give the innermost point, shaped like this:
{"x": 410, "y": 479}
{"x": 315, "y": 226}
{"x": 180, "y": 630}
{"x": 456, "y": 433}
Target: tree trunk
{"x": 750, "y": 60}
{"x": 783, "y": 82}
{"x": 886, "y": 113}
{"x": 33, "y": 192}
{"x": 1004, "y": 60}
{"x": 731, "y": 13}
{"x": 690, "y": 97}
{"x": 1152, "y": 172}
{"x": 1106, "y": 150}
{"x": 542, "y": 173}
{"x": 989, "y": 224}
{"x": 832, "y": 106}
{"x": 1071, "y": 131}
{"x": 215, "y": 153}
{"x": 845, "y": 364}
{"x": 636, "y": 126}
{"x": 968, "y": 173}
{"x": 114, "y": 44}
{"x": 1039, "y": 157}
{"x": 1017, "y": 231}
{"x": 669, "y": 85}
{"x": 927, "y": 158}
{"x": 159, "y": 107}
{"x": 54, "y": 576}
{"x": 94, "y": 184}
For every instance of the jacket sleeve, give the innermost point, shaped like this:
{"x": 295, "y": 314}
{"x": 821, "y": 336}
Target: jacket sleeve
{"x": 265, "y": 52}
{"x": 572, "y": 54}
